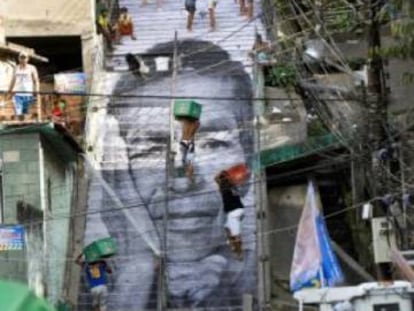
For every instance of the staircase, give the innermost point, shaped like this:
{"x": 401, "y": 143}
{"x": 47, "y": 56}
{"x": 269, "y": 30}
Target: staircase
{"x": 128, "y": 149}
{"x": 234, "y": 34}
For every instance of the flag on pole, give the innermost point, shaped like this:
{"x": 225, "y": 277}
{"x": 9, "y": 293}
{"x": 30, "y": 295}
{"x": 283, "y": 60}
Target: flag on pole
{"x": 314, "y": 262}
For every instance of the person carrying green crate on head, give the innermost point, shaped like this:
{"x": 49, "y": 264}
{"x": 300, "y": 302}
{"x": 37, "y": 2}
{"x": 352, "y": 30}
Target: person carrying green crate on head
{"x": 96, "y": 275}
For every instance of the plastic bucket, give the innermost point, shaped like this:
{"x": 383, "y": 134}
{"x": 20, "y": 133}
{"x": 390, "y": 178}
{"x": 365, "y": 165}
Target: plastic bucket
{"x": 237, "y": 174}
{"x": 162, "y": 63}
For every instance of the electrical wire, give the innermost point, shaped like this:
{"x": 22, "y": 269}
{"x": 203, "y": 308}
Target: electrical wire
{"x": 162, "y": 200}
{"x": 265, "y": 233}
{"x": 151, "y": 203}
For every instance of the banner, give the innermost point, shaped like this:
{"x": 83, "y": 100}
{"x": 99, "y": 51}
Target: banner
{"x": 11, "y": 237}
{"x": 314, "y": 263}
{"x": 330, "y": 269}
{"x": 73, "y": 83}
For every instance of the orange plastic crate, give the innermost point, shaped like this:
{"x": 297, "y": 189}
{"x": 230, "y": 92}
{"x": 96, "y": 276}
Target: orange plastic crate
{"x": 237, "y": 174}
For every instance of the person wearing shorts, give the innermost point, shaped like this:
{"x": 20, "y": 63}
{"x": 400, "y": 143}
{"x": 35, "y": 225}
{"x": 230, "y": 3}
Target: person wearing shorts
{"x": 106, "y": 28}
{"x": 96, "y": 273}
{"x": 187, "y": 147}
{"x": 24, "y": 83}
{"x": 250, "y": 9}
{"x": 212, "y": 14}
{"x": 234, "y": 210}
{"x": 125, "y": 26}
{"x": 190, "y": 7}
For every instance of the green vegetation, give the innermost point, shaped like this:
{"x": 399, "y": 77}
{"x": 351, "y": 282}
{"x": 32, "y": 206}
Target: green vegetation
{"x": 399, "y": 15}
{"x": 281, "y": 75}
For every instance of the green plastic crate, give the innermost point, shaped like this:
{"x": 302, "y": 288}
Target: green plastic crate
{"x": 98, "y": 249}
{"x": 17, "y": 297}
{"x": 64, "y": 306}
{"x": 187, "y": 109}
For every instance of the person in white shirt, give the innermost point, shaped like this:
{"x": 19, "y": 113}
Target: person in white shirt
{"x": 24, "y": 85}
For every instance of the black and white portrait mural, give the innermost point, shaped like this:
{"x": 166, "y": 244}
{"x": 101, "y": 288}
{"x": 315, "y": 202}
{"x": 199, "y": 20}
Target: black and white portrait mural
{"x": 146, "y": 204}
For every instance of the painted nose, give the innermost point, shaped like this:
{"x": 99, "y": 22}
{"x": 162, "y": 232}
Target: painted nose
{"x": 182, "y": 184}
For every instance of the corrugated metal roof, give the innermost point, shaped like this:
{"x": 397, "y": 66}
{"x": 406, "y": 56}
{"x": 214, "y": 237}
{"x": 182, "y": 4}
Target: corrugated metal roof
{"x": 283, "y": 154}
{"x": 15, "y": 50}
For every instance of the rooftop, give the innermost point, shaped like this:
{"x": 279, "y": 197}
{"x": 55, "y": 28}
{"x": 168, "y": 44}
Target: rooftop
{"x": 57, "y": 135}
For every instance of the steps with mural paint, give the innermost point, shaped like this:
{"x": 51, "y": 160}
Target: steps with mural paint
{"x": 233, "y": 33}
{"x": 131, "y": 146}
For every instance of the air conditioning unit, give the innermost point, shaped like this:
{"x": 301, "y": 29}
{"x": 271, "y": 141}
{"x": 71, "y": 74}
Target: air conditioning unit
{"x": 383, "y": 238}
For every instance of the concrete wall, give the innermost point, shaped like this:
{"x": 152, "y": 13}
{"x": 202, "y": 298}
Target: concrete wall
{"x": 58, "y": 179}
{"x": 20, "y": 156}
{"x": 53, "y": 18}
{"x": 23, "y": 176}
{"x": 277, "y": 132}
{"x": 49, "y": 18}
{"x": 401, "y": 92}
{"x": 6, "y": 72}
{"x": 2, "y": 33}
{"x": 21, "y": 183}
{"x": 285, "y": 205}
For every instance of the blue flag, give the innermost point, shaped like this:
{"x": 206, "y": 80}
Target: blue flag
{"x": 314, "y": 262}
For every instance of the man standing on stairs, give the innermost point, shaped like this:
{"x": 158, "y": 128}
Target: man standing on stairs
{"x": 190, "y": 7}
{"x": 250, "y": 9}
{"x": 212, "y": 14}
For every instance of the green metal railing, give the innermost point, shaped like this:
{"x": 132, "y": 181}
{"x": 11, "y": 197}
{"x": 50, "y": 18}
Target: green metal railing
{"x": 290, "y": 152}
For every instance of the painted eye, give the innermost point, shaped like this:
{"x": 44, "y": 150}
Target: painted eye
{"x": 215, "y": 143}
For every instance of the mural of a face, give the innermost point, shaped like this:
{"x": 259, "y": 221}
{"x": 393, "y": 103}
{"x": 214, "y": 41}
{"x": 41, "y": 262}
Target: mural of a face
{"x": 201, "y": 270}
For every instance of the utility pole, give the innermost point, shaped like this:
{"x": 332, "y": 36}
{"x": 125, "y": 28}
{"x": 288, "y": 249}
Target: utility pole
{"x": 173, "y": 88}
{"x": 378, "y": 98}
{"x": 405, "y": 156}
{"x": 162, "y": 300}
{"x": 260, "y": 194}
{"x": 377, "y": 121}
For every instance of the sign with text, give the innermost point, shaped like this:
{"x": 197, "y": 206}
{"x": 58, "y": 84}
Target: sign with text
{"x": 11, "y": 237}
{"x": 73, "y": 83}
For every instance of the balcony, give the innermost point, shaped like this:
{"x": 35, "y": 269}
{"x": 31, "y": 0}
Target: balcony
{"x": 64, "y": 110}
